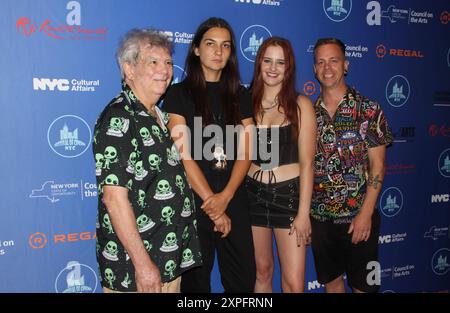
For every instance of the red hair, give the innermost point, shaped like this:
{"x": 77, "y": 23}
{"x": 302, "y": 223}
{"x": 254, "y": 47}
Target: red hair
{"x": 287, "y": 97}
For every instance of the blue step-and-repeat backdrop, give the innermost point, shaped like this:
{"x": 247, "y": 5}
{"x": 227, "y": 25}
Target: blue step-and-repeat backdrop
{"x": 59, "y": 71}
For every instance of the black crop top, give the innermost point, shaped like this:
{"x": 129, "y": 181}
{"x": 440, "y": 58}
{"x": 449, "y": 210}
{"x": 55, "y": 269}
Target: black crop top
{"x": 288, "y": 148}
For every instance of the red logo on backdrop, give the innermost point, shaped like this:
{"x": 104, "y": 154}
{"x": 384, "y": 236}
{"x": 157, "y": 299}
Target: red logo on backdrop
{"x": 400, "y": 169}
{"x": 445, "y": 17}
{"x": 436, "y": 130}
{"x": 28, "y": 28}
{"x": 309, "y": 88}
{"x": 406, "y": 53}
{"x": 23, "y": 24}
{"x": 381, "y": 51}
{"x": 37, "y": 240}
{"x": 72, "y": 29}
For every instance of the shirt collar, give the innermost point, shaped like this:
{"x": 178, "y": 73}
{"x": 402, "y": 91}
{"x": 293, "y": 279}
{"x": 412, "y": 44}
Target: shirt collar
{"x": 139, "y": 108}
{"x": 132, "y": 99}
{"x": 349, "y": 94}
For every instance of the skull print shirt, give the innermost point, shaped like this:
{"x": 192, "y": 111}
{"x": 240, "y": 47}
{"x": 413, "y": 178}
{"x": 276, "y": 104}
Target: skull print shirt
{"x": 133, "y": 151}
{"x": 341, "y": 161}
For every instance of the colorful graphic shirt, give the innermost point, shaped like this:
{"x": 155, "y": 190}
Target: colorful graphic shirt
{"x": 132, "y": 150}
{"x": 341, "y": 161}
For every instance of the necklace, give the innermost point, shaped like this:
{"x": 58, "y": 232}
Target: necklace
{"x": 274, "y": 104}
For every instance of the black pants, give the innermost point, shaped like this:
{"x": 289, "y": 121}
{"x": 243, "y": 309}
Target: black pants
{"x": 235, "y": 253}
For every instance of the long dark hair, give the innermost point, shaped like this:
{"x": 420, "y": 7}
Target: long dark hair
{"x": 287, "y": 97}
{"x": 229, "y": 79}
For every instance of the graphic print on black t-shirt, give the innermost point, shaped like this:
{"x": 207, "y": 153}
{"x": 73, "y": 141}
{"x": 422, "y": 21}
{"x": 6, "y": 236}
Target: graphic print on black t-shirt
{"x": 178, "y": 101}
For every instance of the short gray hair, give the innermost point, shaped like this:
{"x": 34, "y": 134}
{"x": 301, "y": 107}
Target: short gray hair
{"x": 129, "y": 47}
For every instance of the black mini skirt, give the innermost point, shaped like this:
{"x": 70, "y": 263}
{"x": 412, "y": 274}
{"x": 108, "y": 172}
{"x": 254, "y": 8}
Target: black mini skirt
{"x": 273, "y": 205}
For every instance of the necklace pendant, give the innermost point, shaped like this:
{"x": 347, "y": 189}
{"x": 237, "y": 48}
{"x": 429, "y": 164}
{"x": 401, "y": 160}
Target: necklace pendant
{"x": 220, "y": 158}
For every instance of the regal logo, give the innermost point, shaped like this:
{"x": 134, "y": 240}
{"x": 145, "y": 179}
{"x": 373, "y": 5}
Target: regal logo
{"x": 37, "y": 240}
{"x": 380, "y": 51}
{"x": 309, "y": 88}
{"x": 445, "y": 17}
{"x": 406, "y": 53}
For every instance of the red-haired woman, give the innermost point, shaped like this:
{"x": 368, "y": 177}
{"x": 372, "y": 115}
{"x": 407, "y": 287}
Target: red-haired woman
{"x": 280, "y": 186}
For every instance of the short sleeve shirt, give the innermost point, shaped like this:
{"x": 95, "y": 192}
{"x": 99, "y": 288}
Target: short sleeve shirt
{"x": 133, "y": 151}
{"x": 178, "y": 101}
{"x": 341, "y": 161}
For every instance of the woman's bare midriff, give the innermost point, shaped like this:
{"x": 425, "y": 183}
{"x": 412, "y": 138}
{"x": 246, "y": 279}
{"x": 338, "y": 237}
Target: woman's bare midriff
{"x": 282, "y": 173}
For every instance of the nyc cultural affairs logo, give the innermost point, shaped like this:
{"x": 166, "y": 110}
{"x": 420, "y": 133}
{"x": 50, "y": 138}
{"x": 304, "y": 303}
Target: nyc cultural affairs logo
{"x": 337, "y": 10}
{"x": 397, "y": 90}
{"x": 251, "y": 39}
{"x": 448, "y": 57}
{"x": 391, "y": 202}
{"x": 178, "y": 74}
{"x": 444, "y": 163}
{"x": 69, "y": 136}
{"x": 76, "y": 278}
{"x": 440, "y": 261}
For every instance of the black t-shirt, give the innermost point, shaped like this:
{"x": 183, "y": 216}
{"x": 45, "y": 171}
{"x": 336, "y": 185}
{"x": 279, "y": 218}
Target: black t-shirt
{"x": 178, "y": 101}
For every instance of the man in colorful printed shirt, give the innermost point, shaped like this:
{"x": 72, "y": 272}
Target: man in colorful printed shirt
{"x": 349, "y": 170}
{"x": 146, "y": 231}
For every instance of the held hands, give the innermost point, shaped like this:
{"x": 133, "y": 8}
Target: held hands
{"x": 301, "y": 228}
{"x": 148, "y": 279}
{"x": 216, "y": 204}
{"x": 223, "y": 225}
{"x": 361, "y": 227}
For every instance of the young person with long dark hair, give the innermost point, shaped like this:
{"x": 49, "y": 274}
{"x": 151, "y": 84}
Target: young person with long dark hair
{"x": 280, "y": 190}
{"x": 212, "y": 95}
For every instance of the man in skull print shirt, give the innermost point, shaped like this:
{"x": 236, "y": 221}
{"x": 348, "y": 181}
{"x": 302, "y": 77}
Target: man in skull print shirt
{"x": 146, "y": 227}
